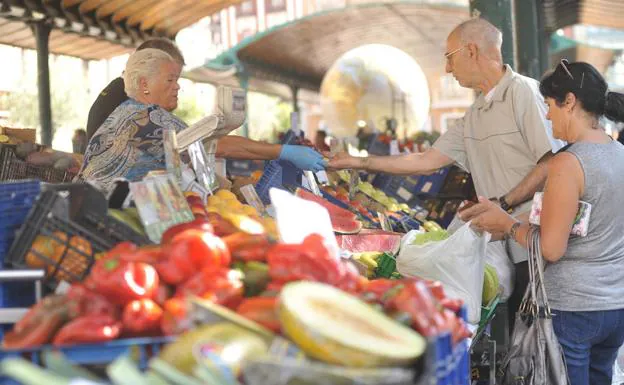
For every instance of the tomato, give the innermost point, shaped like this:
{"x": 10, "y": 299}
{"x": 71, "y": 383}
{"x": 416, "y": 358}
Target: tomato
{"x": 142, "y": 317}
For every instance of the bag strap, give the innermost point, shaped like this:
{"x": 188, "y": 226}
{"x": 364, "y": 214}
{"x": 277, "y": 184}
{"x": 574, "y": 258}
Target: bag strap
{"x": 536, "y": 270}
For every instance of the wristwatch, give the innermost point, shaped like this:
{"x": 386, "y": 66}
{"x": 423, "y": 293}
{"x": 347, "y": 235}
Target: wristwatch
{"x": 504, "y": 205}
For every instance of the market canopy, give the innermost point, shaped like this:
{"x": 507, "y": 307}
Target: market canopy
{"x": 299, "y": 53}
{"x": 100, "y": 29}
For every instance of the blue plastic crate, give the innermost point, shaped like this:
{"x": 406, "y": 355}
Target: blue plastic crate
{"x": 277, "y": 174}
{"x": 17, "y": 294}
{"x": 452, "y": 362}
{"x": 432, "y": 184}
{"x": 271, "y": 177}
{"x": 95, "y": 354}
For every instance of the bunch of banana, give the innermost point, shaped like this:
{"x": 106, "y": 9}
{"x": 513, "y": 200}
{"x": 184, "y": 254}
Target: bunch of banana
{"x": 431, "y": 226}
{"x": 369, "y": 259}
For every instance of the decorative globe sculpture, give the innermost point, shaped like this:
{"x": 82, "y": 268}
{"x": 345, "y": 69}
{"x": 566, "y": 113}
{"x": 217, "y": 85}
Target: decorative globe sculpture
{"x": 370, "y": 85}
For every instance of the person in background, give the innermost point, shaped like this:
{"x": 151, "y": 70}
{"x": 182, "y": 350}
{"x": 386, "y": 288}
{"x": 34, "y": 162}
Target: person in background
{"x": 233, "y": 147}
{"x": 319, "y": 141}
{"x": 504, "y": 139}
{"x": 584, "y": 279}
{"x": 79, "y": 141}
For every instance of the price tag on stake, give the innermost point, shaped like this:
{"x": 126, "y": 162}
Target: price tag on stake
{"x": 312, "y": 183}
{"x": 251, "y": 197}
{"x": 384, "y": 222}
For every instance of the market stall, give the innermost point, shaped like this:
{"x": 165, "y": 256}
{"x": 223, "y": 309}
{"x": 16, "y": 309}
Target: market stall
{"x": 267, "y": 278}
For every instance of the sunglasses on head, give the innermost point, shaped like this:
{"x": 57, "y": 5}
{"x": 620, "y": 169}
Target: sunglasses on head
{"x": 564, "y": 64}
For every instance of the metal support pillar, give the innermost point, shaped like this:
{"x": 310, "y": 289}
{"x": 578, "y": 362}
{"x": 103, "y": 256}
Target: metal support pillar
{"x": 243, "y": 79}
{"x": 41, "y": 29}
{"x": 501, "y": 13}
{"x": 532, "y": 43}
{"x": 295, "y": 98}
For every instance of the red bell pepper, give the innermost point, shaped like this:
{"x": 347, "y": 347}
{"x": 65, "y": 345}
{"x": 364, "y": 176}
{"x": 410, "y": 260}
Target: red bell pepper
{"x": 375, "y": 291}
{"x": 201, "y": 224}
{"x": 39, "y": 325}
{"x": 351, "y": 282}
{"x": 453, "y": 304}
{"x": 88, "y": 329}
{"x": 175, "y": 318}
{"x": 122, "y": 282}
{"x": 307, "y": 261}
{"x": 151, "y": 255}
{"x": 85, "y": 302}
{"x": 415, "y": 300}
{"x": 221, "y": 227}
{"x": 142, "y": 317}
{"x": 163, "y": 293}
{"x": 120, "y": 249}
{"x": 457, "y": 327}
{"x": 248, "y": 247}
{"x": 224, "y": 287}
{"x": 436, "y": 289}
{"x": 192, "y": 251}
{"x": 262, "y": 310}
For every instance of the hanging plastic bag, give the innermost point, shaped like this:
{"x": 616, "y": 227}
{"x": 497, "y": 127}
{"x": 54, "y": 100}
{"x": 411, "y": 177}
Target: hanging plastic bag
{"x": 496, "y": 256}
{"x": 457, "y": 262}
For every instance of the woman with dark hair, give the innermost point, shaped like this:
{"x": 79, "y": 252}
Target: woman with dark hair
{"x": 585, "y": 275}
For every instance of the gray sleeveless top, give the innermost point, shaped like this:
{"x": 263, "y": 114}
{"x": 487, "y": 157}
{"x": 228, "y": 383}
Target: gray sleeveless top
{"x": 590, "y": 276}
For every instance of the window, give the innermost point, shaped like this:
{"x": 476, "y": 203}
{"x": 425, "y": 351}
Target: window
{"x": 275, "y": 5}
{"x": 246, "y": 8}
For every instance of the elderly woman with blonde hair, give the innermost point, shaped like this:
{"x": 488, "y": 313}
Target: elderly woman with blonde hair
{"x": 129, "y": 143}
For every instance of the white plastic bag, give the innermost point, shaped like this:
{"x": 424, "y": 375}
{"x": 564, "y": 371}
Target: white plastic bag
{"x": 457, "y": 262}
{"x": 497, "y": 257}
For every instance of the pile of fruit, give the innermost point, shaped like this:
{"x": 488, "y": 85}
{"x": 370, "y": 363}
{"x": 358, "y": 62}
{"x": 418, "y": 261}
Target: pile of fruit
{"x": 142, "y": 291}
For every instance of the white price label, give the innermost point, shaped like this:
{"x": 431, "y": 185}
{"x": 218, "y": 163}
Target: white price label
{"x": 404, "y": 194}
{"x": 309, "y": 175}
{"x": 384, "y": 221}
{"x": 252, "y": 198}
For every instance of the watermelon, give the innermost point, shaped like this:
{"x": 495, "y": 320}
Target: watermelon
{"x": 343, "y": 221}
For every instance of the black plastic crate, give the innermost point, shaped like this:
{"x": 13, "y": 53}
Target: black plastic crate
{"x": 458, "y": 184}
{"x": 75, "y": 230}
{"x": 13, "y": 168}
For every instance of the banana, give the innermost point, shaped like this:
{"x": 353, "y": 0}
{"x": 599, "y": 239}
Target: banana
{"x": 368, "y": 261}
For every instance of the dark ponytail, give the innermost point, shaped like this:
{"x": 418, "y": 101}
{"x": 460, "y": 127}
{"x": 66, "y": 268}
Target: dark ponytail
{"x": 614, "y": 106}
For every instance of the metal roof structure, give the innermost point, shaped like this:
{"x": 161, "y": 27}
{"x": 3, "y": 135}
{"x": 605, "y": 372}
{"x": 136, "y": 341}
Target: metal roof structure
{"x": 299, "y": 53}
{"x": 100, "y": 29}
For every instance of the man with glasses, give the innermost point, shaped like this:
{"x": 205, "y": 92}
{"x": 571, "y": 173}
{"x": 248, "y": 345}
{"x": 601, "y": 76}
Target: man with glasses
{"x": 504, "y": 139}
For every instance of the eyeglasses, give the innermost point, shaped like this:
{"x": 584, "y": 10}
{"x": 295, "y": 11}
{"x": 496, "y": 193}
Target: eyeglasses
{"x": 564, "y": 63}
{"x": 453, "y": 52}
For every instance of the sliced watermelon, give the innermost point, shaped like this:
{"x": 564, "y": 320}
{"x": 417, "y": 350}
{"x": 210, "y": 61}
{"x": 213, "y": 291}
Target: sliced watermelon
{"x": 343, "y": 221}
{"x": 344, "y": 225}
{"x": 334, "y": 211}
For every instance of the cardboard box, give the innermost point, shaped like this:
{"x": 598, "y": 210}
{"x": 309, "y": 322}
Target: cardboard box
{"x": 21, "y": 134}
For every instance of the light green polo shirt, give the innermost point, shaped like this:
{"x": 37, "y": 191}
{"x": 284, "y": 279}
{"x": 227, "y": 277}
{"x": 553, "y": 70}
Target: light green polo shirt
{"x": 499, "y": 142}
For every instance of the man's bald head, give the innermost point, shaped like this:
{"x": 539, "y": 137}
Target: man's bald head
{"x": 483, "y": 34}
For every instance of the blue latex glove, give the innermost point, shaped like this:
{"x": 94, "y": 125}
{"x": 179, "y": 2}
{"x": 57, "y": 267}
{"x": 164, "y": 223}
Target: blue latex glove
{"x": 304, "y": 158}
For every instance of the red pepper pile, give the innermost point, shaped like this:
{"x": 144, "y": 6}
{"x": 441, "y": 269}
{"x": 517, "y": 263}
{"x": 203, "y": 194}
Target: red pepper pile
{"x": 418, "y": 303}
{"x": 134, "y": 291}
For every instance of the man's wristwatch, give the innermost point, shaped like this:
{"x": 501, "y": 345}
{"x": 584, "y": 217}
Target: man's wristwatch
{"x": 504, "y": 205}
